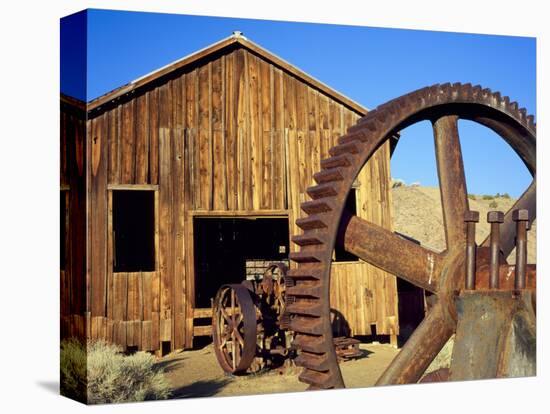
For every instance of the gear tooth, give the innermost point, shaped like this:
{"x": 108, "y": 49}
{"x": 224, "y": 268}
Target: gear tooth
{"x": 305, "y": 274}
{"x": 349, "y": 148}
{"x": 311, "y": 222}
{"x": 305, "y": 308}
{"x": 486, "y": 92}
{"x": 303, "y": 257}
{"x": 321, "y": 191}
{"x": 523, "y": 113}
{"x": 307, "y": 325}
{"x": 328, "y": 176}
{"x": 306, "y": 289}
{"x": 309, "y": 343}
{"x": 314, "y": 362}
{"x": 317, "y": 206}
{"x": 308, "y": 239}
{"x": 317, "y": 380}
{"x": 338, "y": 161}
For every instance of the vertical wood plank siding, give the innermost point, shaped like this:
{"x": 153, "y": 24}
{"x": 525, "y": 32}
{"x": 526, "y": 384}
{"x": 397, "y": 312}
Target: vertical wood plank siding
{"x": 231, "y": 133}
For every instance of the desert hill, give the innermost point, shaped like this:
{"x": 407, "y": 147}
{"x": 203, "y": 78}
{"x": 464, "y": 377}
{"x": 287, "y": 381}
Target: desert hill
{"x": 417, "y": 213}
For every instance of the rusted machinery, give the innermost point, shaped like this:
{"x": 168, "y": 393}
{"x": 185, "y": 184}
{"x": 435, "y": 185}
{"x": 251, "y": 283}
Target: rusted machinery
{"x": 250, "y": 326}
{"x": 491, "y": 312}
{"x": 248, "y": 329}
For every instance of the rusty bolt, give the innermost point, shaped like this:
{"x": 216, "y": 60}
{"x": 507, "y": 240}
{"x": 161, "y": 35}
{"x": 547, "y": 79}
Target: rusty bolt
{"x": 521, "y": 215}
{"x": 495, "y": 217}
{"x": 471, "y": 216}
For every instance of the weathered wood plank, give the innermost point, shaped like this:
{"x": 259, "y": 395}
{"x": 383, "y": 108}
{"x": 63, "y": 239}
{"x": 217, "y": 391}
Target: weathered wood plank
{"x": 219, "y": 179}
{"x": 254, "y": 139}
{"x": 240, "y": 123}
{"x": 178, "y": 222}
{"x": 278, "y": 152}
{"x": 142, "y": 140}
{"x": 98, "y": 216}
{"x": 120, "y": 296}
{"x": 153, "y": 107}
{"x": 204, "y": 139}
{"x": 230, "y": 115}
{"x": 110, "y": 258}
{"x": 114, "y": 155}
{"x": 166, "y": 267}
{"x": 128, "y": 149}
{"x": 146, "y": 330}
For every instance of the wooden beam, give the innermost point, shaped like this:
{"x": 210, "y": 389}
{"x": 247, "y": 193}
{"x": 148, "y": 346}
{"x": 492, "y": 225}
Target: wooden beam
{"x": 202, "y": 313}
{"x": 150, "y": 187}
{"x": 240, "y": 213}
{"x": 202, "y": 330}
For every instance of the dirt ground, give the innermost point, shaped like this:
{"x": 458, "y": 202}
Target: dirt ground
{"x": 196, "y": 373}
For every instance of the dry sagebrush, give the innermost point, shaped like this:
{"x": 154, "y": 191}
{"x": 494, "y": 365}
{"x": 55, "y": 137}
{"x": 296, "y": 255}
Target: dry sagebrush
{"x": 113, "y": 377}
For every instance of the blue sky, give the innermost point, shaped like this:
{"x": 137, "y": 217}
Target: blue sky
{"x": 369, "y": 65}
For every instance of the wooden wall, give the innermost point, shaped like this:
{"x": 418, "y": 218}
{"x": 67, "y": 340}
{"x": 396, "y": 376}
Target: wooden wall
{"x": 73, "y": 306}
{"x": 231, "y": 134}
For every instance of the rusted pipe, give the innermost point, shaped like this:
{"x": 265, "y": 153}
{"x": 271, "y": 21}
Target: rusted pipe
{"x": 521, "y": 217}
{"x": 471, "y": 218}
{"x": 495, "y": 218}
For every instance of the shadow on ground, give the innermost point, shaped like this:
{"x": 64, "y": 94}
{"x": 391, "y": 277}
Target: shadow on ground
{"x": 200, "y": 389}
{"x": 364, "y": 354}
{"x": 170, "y": 364}
{"x": 51, "y": 386}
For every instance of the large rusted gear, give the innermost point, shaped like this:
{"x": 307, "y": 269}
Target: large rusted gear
{"x": 326, "y": 223}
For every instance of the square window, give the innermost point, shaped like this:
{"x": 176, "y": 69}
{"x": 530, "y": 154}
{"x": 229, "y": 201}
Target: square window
{"x": 133, "y": 231}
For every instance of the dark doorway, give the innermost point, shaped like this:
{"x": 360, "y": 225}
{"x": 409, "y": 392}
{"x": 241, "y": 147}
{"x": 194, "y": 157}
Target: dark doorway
{"x": 410, "y": 307}
{"x": 224, "y": 247}
{"x": 134, "y": 230}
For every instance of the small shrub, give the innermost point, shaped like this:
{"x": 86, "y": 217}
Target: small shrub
{"x": 471, "y": 196}
{"x": 487, "y": 197}
{"x": 397, "y": 182}
{"x": 113, "y": 377}
{"x": 493, "y": 204}
{"x": 505, "y": 195}
{"x": 73, "y": 370}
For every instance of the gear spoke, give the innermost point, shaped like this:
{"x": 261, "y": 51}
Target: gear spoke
{"x": 392, "y": 253}
{"x": 527, "y": 201}
{"x": 420, "y": 350}
{"x": 452, "y": 181}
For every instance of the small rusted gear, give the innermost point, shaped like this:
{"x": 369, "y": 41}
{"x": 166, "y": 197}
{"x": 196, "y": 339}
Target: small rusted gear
{"x": 308, "y": 285}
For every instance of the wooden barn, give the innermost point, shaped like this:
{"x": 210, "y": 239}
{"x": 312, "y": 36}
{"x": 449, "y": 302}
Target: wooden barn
{"x": 191, "y": 177}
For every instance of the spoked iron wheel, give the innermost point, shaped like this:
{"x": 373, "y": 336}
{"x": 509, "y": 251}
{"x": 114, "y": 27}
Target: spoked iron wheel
{"x": 234, "y": 328}
{"x": 441, "y": 273}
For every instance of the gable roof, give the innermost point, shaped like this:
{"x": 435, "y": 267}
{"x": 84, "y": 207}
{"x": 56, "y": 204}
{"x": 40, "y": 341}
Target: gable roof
{"x": 236, "y": 39}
